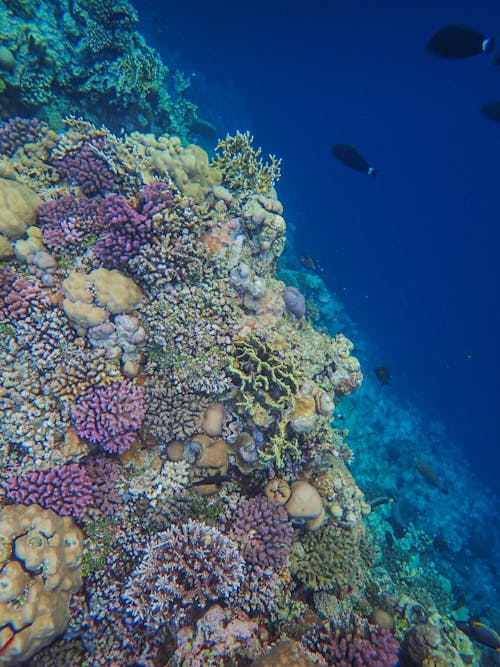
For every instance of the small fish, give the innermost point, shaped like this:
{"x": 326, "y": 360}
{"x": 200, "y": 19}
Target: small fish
{"x": 492, "y": 111}
{"x": 211, "y": 479}
{"x": 349, "y": 156}
{"x": 456, "y": 41}
{"x": 378, "y": 502}
{"x": 308, "y": 262}
{"x": 430, "y": 475}
{"x": 480, "y": 633}
{"x": 383, "y": 374}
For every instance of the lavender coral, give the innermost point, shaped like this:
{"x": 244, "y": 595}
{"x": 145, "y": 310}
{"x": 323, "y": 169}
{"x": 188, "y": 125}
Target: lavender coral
{"x": 17, "y": 132}
{"x": 369, "y": 646}
{"x": 85, "y": 167}
{"x": 126, "y": 231}
{"x": 110, "y": 416}
{"x": 66, "y": 220}
{"x": 184, "y": 568}
{"x": 66, "y": 490}
{"x": 262, "y": 530}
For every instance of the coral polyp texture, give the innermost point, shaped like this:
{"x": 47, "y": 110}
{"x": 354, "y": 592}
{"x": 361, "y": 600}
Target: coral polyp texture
{"x": 164, "y": 390}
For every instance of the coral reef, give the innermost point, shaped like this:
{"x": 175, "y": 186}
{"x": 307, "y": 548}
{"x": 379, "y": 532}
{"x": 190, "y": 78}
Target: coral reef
{"x": 88, "y": 59}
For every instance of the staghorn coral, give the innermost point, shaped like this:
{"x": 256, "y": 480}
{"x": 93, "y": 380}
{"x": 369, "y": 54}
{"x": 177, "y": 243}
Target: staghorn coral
{"x": 242, "y": 167}
{"x": 110, "y": 416}
{"x": 184, "y": 569}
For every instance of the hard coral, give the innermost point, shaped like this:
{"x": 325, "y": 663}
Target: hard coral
{"x": 66, "y": 220}
{"x": 39, "y": 571}
{"x": 66, "y": 490}
{"x": 84, "y": 167}
{"x": 184, "y": 568}
{"x": 17, "y": 131}
{"x": 110, "y": 416}
{"x": 125, "y": 231}
{"x": 371, "y": 647}
{"x": 262, "y": 530}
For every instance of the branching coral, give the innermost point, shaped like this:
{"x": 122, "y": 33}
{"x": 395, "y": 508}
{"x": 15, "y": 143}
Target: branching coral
{"x": 242, "y": 167}
{"x": 184, "y": 569}
{"x": 110, "y": 416}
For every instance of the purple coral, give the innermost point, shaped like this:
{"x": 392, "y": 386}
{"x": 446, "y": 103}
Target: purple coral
{"x": 18, "y": 131}
{"x": 66, "y": 490}
{"x": 155, "y": 198}
{"x": 184, "y": 569}
{"x": 20, "y": 298}
{"x": 86, "y": 167}
{"x": 104, "y": 477}
{"x": 126, "y": 231}
{"x": 262, "y": 530}
{"x": 370, "y": 647}
{"x": 110, "y": 416}
{"x": 67, "y": 219}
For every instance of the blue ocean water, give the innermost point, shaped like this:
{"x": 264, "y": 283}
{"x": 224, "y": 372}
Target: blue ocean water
{"x": 413, "y": 254}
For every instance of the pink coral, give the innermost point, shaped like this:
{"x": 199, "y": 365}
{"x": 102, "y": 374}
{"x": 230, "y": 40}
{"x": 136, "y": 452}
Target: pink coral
{"x": 370, "y": 647}
{"x": 66, "y": 490}
{"x": 67, "y": 219}
{"x": 110, "y": 416}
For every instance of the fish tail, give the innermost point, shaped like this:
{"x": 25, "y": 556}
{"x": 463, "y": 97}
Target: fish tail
{"x": 489, "y": 44}
{"x": 372, "y": 172}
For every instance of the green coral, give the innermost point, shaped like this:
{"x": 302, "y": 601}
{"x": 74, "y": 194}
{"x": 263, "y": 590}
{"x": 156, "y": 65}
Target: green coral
{"x": 265, "y": 379}
{"x": 327, "y": 559}
{"x": 99, "y": 542}
{"x": 242, "y": 167}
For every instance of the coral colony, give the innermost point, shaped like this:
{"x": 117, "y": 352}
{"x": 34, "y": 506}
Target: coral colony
{"x": 173, "y": 489}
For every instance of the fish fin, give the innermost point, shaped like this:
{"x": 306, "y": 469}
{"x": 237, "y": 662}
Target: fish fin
{"x": 372, "y": 172}
{"x": 489, "y": 44}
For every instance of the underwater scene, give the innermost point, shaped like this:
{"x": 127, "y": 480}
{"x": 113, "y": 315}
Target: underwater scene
{"x": 249, "y": 326}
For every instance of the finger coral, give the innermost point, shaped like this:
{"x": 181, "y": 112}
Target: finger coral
{"x": 110, "y": 416}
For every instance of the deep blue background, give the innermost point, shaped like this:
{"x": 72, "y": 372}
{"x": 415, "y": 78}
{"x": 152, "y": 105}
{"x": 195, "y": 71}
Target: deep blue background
{"x": 414, "y": 253}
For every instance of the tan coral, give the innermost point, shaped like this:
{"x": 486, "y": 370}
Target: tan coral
{"x": 286, "y": 653}
{"x": 34, "y": 610}
{"x": 303, "y": 418}
{"x": 305, "y": 504}
{"x": 278, "y": 490}
{"x": 213, "y": 419}
{"x": 17, "y": 208}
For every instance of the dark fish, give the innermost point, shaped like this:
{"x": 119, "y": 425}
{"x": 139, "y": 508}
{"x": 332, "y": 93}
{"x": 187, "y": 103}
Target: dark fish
{"x": 492, "y": 111}
{"x": 430, "y": 475}
{"x": 480, "y": 633}
{"x": 349, "y": 156}
{"x": 308, "y": 262}
{"x": 439, "y": 544}
{"x": 211, "y": 479}
{"x": 377, "y": 502}
{"x": 456, "y": 41}
{"x": 383, "y": 374}
{"x": 389, "y": 539}
{"x": 203, "y": 128}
